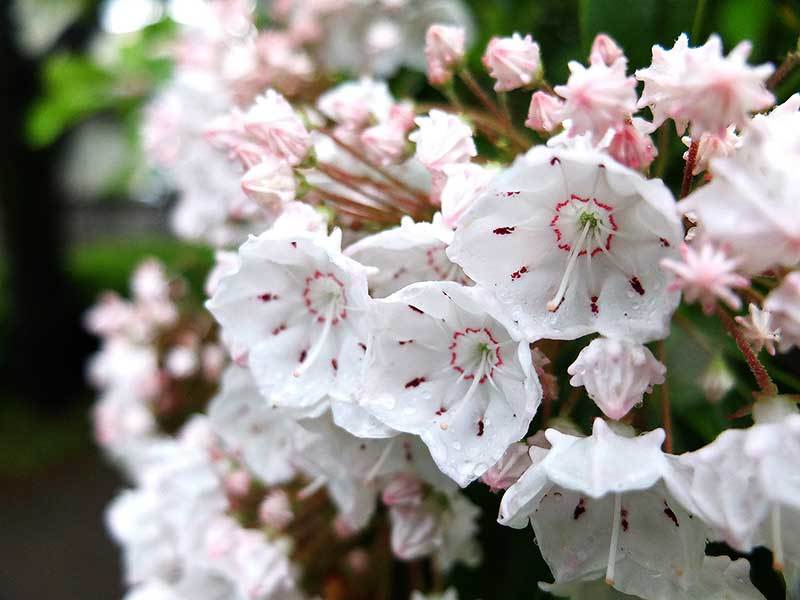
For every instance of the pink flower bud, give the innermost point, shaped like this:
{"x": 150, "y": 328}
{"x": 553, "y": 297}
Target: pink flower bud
{"x": 384, "y": 143}
{"x": 275, "y": 510}
{"x": 272, "y": 122}
{"x": 416, "y": 532}
{"x": 442, "y": 139}
{"x": 632, "y": 148}
{"x": 237, "y": 483}
{"x": 513, "y": 62}
{"x": 605, "y": 49}
{"x": 444, "y": 49}
{"x": 544, "y": 113}
{"x": 270, "y": 183}
{"x": 403, "y": 490}
{"x": 509, "y": 468}
{"x": 213, "y": 359}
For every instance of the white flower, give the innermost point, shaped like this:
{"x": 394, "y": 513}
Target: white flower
{"x": 296, "y": 304}
{"x": 443, "y": 367}
{"x": 598, "y": 98}
{"x": 442, "y": 139}
{"x": 270, "y": 183}
{"x": 271, "y": 121}
{"x": 513, "y": 62}
{"x": 444, "y": 49}
{"x": 758, "y": 329}
{"x": 569, "y": 242}
{"x": 544, "y": 112}
{"x": 700, "y": 86}
{"x": 750, "y": 206}
{"x": 407, "y": 254}
{"x": 707, "y": 275}
{"x": 601, "y": 504}
{"x": 616, "y": 374}
{"x": 265, "y": 439}
{"x": 744, "y": 483}
{"x": 783, "y": 303}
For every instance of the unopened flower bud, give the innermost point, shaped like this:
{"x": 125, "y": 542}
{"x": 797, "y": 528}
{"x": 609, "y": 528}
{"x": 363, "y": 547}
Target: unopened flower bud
{"x": 275, "y": 510}
{"x": 717, "y": 381}
{"x": 237, "y": 483}
{"x": 543, "y": 114}
{"x": 509, "y": 468}
{"x": 416, "y": 532}
{"x": 605, "y": 49}
{"x": 270, "y": 183}
{"x": 513, "y": 62}
{"x": 444, "y": 49}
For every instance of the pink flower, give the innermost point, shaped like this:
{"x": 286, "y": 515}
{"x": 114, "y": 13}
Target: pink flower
{"x": 237, "y": 483}
{"x": 403, "y": 490}
{"x": 272, "y": 122}
{"x": 270, "y": 183}
{"x": 757, "y": 327}
{"x": 706, "y": 275}
{"x": 442, "y": 139}
{"x": 606, "y": 50}
{"x": 444, "y": 49}
{"x": 598, "y": 98}
{"x": 385, "y": 143}
{"x": 701, "y": 86}
{"x": 632, "y": 147}
{"x": 505, "y": 472}
{"x": 416, "y": 532}
{"x": 544, "y": 112}
{"x": 513, "y": 62}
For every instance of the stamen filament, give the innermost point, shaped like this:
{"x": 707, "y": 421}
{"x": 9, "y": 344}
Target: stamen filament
{"x": 313, "y": 487}
{"x": 612, "y": 549}
{"x": 316, "y": 349}
{"x": 553, "y": 305}
{"x": 777, "y": 539}
{"x": 373, "y": 472}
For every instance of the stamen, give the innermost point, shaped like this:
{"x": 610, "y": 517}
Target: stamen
{"x": 316, "y": 350}
{"x": 612, "y": 549}
{"x": 313, "y": 487}
{"x": 553, "y": 305}
{"x": 373, "y": 472}
{"x": 777, "y": 539}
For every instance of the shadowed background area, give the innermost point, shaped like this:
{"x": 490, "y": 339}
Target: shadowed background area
{"x": 80, "y": 210}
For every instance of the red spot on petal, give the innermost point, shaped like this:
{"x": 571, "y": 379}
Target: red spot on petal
{"x": 555, "y": 160}
{"x": 294, "y": 244}
{"x": 362, "y": 346}
{"x": 595, "y": 308}
{"x": 579, "y": 509}
{"x": 415, "y": 382}
{"x": 404, "y": 342}
{"x": 335, "y": 364}
{"x": 623, "y": 513}
{"x": 664, "y": 242}
{"x": 267, "y": 297}
{"x": 415, "y": 309}
{"x": 480, "y": 427}
{"x": 637, "y": 286}
{"x": 518, "y": 274}
{"x": 670, "y": 514}
{"x": 279, "y": 329}
{"x": 303, "y": 355}
{"x": 503, "y": 230}
{"x": 441, "y": 411}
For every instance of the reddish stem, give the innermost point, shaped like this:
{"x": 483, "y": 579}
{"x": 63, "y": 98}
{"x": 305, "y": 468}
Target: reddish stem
{"x": 759, "y": 371}
{"x": 686, "y": 186}
{"x": 790, "y": 62}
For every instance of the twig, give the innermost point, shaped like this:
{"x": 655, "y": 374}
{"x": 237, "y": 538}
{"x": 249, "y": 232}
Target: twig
{"x": 691, "y": 159}
{"x": 790, "y": 62}
{"x": 759, "y": 371}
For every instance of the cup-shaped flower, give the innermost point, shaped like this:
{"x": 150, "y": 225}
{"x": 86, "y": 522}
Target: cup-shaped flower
{"x": 569, "y": 241}
{"x": 296, "y": 304}
{"x": 606, "y": 504}
{"x": 444, "y": 367}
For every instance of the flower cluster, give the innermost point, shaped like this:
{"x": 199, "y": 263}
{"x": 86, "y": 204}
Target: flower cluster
{"x": 392, "y": 317}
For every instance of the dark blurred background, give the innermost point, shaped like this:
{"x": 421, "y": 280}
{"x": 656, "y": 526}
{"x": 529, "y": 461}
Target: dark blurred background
{"x": 80, "y": 209}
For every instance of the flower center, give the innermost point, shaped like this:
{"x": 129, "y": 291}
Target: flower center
{"x": 475, "y": 353}
{"x": 324, "y": 297}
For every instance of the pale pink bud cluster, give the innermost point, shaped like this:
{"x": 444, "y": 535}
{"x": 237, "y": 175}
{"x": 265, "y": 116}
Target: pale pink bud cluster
{"x": 442, "y": 139}
{"x": 597, "y": 98}
{"x": 444, "y": 50}
{"x": 513, "y": 62}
